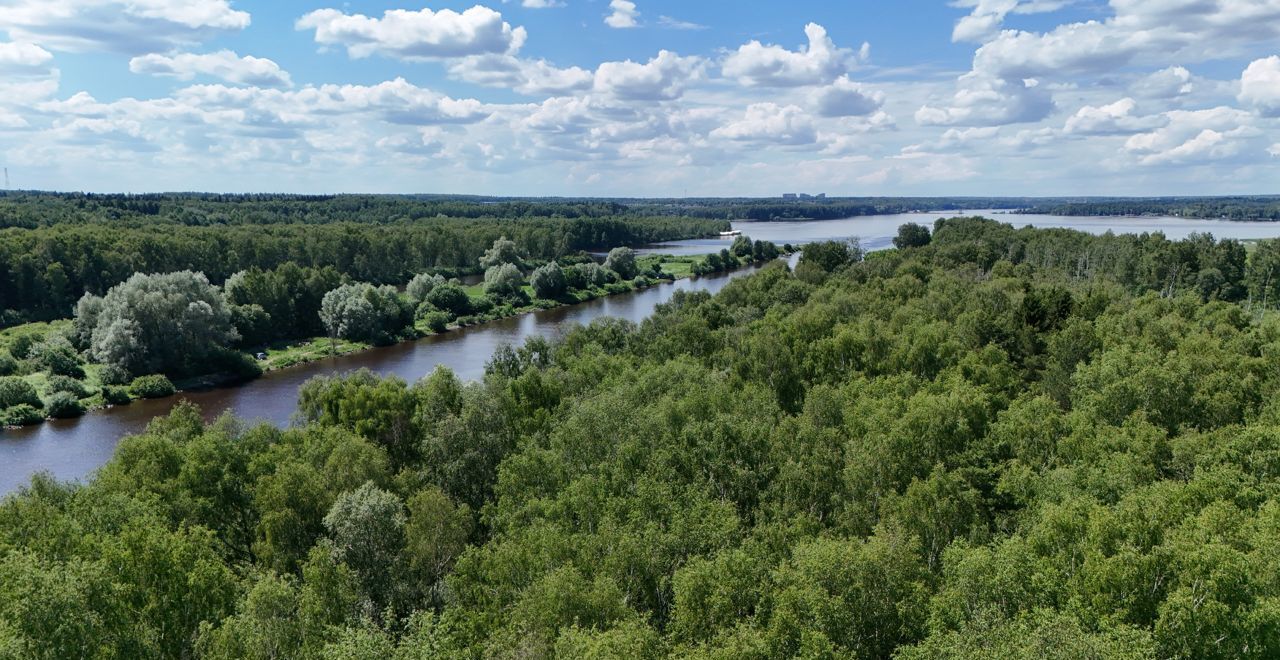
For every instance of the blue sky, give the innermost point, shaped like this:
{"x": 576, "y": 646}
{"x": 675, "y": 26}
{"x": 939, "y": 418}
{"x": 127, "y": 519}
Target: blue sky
{"x": 643, "y": 97}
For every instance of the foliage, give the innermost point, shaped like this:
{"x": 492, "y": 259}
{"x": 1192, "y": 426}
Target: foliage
{"x": 504, "y": 251}
{"x": 56, "y": 355}
{"x": 451, "y": 298}
{"x": 111, "y": 374}
{"x": 549, "y": 281}
{"x": 16, "y": 391}
{"x": 64, "y": 405}
{"x": 622, "y": 260}
{"x": 155, "y": 386}
{"x": 8, "y": 365}
{"x": 115, "y": 395}
{"x": 363, "y": 312}
{"x": 23, "y": 414}
{"x": 170, "y": 323}
{"x": 53, "y": 247}
{"x": 911, "y": 235}
{"x": 421, "y": 286}
{"x": 999, "y": 444}
{"x": 279, "y": 303}
{"x": 503, "y": 280}
{"x": 66, "y": 384}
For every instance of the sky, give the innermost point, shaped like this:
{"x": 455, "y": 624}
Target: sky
{"x": 643, "y": 97}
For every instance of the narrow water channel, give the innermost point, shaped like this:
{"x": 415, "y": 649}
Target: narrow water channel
{"x": 71, "y": 449}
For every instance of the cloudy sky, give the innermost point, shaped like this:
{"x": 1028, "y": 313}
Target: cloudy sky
{"x": 643, "y": 97}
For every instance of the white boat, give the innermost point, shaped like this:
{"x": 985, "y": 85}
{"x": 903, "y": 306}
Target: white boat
{"x": 731, "y": 233}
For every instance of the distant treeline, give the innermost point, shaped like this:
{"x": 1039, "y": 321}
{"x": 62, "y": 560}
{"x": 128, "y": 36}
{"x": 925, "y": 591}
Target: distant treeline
{"x": 815, "y": 209}
{"x": 58, "y": 247}
{"x": 1262, "y": 207}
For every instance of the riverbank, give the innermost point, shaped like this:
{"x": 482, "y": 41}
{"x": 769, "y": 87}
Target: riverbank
{"x": 285, "y": 354}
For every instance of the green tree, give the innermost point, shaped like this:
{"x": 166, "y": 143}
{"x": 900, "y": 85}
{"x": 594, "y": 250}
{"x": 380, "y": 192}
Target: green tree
{"x": 622, "y": 260}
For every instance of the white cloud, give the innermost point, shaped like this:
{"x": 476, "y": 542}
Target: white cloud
{"x": 845, "y": 98}
{"x": 1113, "y": 119}
{"x": 20, "y": 58}
{"x": 987, "y": 17}
{"x": 986, "y": 101}
{"x": 1260, "y": 86}
{"x": 625, "y": 15}
{"x": 416, "y": 35}
{"x": 770, "y": 122}
{"x": 532, "y": 77}
{"x": 123, "y": 26}
{"x": 677, "y": 24}
{"x": 1195, "y": 136}
{"x": 224, "y": 64}
{"x": 663, "y": 78}
{"x": 821, "y": 61}
{"x": 1165, "y": 84}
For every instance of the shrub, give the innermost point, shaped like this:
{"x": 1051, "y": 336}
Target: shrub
{"x": 421, "y": 286}
{"x": 622, "y": 260}
{"x": 8, "y": 365}
{"x": 15, "y": 391}
{"x": 503, "y": 280}
{"x": 58, "y": 356}
{"x": 155, "y": 386}
{"x": 114, "y": 395}
{"x": 437, "y": 320}
{"x": 66, "y": 384}
{"x": 64, "y": 405}
{"x": 549, "y": 281}
{"x": 451, "y": 298}
{"x": 239, "y": 365}
{"x": 21, "y": 345}
{"x": 113, "y": 374}
{"x": 22, "y": 415}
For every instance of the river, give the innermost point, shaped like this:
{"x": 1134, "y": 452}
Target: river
{"x": 72, "y": 449}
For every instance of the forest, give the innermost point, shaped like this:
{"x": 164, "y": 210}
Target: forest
{"x": 987, "y": 443}
{"x": 54, "y": 247}
{"x": 1248, "y": 208}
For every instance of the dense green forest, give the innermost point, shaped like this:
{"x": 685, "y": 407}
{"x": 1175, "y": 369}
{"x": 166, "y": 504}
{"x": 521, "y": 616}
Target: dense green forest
{"x": 1259, "y": 207}
{"x": 990, "y": 443}
{"x": 55, "y": 247}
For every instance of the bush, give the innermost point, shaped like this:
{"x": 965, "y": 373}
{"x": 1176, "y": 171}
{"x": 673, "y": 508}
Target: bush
{"x": 155, "y": 386}
{"x": 912, "y": 235}
{"x": 451, "y": 298}
{"x": 66, "y": 384}
{"x": 239, "y": 365}
{"x": 8, "y": 365}
{"x": 622, "y": 260}
{"x": 22, "y": 415}
{"x": 421, "y": 286}
{"x": 21, "y": 345}
{"x": 64, "y": 405}
{"x": 503, "y": 280}
{"x": 113, "y": 374}
{"x": 437, "y": 320}
{"x": 15, "y": 391}
{"x": 58, "y": 356}
{"x": 114, "y": 395}
{"x": 549, "y": 281}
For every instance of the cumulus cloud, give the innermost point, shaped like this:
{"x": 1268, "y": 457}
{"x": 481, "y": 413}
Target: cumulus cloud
{"x": 1113, "y": 119}
{"x": 663, "y": 78}
{"x": 624, "y": 15}
{"x": 760, "y": 65}
{"x": 987, "y": 17}
{"x": 987, "y": 101}
{"x": 1196, "y": 136}
{"x": 845, "y": 98}
{"x": 770, "y": 122}
{"x": 531, "y": 77}
{"x": 416, "y": 35}
{"x": 23, "y": 58}
{"x": 1167, "y": 83}
{"x": 122, "y": 26}
{"x": 1260, "y": 86}
{"x": 224, "y": 64}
